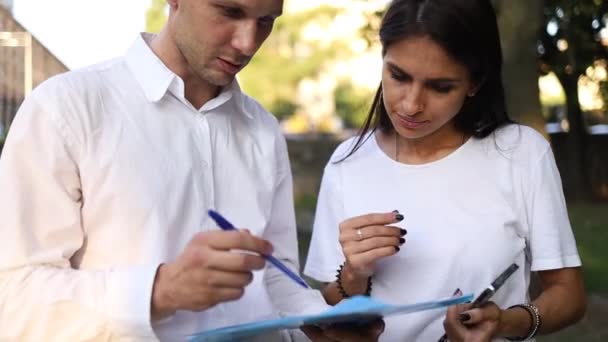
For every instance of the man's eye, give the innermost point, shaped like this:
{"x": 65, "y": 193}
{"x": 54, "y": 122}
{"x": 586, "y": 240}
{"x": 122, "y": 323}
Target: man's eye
{"x": 266, "y": 21}
{"x": 232, "y": 12}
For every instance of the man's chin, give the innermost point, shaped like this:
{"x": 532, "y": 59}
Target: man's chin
{"x": 220, "y": 79}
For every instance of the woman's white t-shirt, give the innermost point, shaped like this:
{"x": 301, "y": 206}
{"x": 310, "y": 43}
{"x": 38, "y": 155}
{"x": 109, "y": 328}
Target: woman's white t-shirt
{"x": 469, "y": 215}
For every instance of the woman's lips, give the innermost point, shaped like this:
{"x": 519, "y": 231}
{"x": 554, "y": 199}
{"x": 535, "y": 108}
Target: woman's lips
{"x": 409, "y": 123}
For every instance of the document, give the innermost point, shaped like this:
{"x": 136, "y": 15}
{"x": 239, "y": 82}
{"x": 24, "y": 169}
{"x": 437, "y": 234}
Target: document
{"x": 355, "y": 310}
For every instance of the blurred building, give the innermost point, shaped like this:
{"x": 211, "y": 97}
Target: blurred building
{"x": 24, "y": 63}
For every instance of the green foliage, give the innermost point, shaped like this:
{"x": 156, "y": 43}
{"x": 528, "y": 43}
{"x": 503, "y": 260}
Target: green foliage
{"x": 578, "y": 25}
{"x": 604, "y": 93}
{"x": 282, "y": 108}
{"x": 156, "y": 15}
{"x": 285, "y": 59}
{"x": 590, "y": 225}
{"x": 352, "y": 104}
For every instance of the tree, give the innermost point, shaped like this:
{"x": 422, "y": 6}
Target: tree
{"x": 156, "y": 15}
{"x": 568, "y": 46}
{"x": 287, "y": 58}
{"x": 519, "y": 22}
{"x": 352, "y": 104}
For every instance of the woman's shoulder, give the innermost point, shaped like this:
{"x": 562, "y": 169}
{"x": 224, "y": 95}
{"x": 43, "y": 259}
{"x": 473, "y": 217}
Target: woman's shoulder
{"x": 519, "y": 140}
{"x": 345, "y": 148}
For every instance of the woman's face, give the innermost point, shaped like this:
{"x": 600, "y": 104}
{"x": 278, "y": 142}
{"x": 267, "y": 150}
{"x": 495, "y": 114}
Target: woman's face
{"x": 423, "y": 88}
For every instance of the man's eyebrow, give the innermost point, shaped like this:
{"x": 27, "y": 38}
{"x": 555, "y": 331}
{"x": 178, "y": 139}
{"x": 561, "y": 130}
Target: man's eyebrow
{"x": 243, "y": 6}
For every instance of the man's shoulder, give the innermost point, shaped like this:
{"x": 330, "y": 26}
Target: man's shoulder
{"x": 77, "y": 82}
{"x": 255, "y": 110}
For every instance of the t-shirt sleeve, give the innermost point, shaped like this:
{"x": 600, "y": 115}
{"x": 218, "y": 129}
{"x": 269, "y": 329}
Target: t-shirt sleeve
{"x": 325, "y": 254}
{"x": 550, "y": 240}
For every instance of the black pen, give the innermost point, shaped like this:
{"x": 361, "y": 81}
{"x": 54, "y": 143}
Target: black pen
{"x": 487, "y": 293}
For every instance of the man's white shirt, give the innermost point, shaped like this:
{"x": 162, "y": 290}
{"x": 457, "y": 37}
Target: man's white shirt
{"x": 108, "y": 172}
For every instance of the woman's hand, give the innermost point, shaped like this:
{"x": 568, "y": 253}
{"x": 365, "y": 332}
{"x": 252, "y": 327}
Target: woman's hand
{"x": 368, "y": 238}
{"x": 472, "y": 325}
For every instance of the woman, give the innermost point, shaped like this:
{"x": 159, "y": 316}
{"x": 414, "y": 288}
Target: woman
{"x": 473, "y": 191}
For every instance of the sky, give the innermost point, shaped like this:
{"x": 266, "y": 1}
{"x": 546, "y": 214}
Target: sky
{"x": 83, "y": 32}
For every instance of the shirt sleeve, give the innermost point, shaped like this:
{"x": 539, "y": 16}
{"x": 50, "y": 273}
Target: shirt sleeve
{"x": 287, "y": 296}
{"x": 550, "y": 239}
{"x": 325, "y": 253}
{"x": 42, "y": 293}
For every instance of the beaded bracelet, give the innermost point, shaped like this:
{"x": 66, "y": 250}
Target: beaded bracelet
{"x": 341, "y": 290}
{"x": 536, "y": 321}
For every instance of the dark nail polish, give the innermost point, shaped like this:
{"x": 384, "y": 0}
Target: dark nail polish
{"x": 403, "y": 232}
{"x": 401, "y": 241}
{"x": 395, "y": 211}
{"x": 464, "y": 317}
{"x": 397, "y": 248}
{"x": 457, "y": 292}
{"x": 399, "y": 217}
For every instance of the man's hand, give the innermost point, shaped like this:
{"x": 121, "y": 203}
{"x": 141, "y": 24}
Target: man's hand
{"x": 342, "y": 333}
{"x": 208, "y": 272}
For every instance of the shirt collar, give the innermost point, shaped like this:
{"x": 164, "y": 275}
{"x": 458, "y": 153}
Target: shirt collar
{"x": 149, "y": 71}
{"x": 156, "y": 79}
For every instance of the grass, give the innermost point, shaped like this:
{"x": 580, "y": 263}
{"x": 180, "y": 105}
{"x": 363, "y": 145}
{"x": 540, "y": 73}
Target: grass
{"x": 590, "y": 225}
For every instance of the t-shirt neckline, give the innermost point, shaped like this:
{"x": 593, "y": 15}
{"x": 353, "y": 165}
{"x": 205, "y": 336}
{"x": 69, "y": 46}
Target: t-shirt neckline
{"x": 439, "y": 161}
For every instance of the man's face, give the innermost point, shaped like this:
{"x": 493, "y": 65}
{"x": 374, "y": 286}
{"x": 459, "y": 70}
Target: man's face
{"x": 217, "y": 38}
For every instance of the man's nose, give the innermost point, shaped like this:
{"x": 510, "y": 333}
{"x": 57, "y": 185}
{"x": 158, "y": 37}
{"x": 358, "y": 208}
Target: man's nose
{"x": 245, "y": 38}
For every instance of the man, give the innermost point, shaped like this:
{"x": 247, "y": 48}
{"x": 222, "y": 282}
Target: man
{"x": 108, "y": 173}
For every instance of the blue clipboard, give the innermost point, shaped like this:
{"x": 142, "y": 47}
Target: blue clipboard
{"x": 358, "y": 309}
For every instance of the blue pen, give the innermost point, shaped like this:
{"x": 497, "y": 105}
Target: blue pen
{"x": 225, "y": 225}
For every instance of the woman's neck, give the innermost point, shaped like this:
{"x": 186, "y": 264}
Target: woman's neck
{"x": 422, "y": 150}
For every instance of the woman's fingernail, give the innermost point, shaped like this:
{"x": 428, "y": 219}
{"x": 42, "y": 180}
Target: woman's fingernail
{"x": 397, "y": 248}
{"x": 395, "y": 211}
{"x": 403, "y": 231}
{"x": 464, "y": 317}
{"x": 399, "y": 217}
{"x": 401, "y": 241}
{"x": 457, "y": 292}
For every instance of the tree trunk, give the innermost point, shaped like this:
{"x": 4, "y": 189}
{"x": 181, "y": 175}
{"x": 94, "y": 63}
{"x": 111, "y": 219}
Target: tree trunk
{"x": 575, "y": 172}
{"x": 519, "y": 23}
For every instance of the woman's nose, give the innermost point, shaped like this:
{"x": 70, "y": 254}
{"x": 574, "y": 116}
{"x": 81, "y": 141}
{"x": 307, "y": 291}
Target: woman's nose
{"x": 413, "y": 103}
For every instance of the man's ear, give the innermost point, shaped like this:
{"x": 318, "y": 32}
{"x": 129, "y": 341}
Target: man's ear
{"x": 173, "y": 4}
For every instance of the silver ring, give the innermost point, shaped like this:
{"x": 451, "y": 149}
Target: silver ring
{"x": 360, "y": 234}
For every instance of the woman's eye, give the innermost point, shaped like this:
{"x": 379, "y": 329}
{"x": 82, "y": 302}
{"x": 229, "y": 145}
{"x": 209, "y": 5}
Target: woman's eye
{"x": 399, "y": 77}
{"x": 442, "y": 88}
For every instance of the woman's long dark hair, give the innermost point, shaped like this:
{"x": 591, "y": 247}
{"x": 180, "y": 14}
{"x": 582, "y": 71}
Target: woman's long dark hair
{"x": 468, "y": 31}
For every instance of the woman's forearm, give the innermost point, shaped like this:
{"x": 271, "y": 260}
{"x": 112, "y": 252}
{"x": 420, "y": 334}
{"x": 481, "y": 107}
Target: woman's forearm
{"x": 561, "y": 303}
{"x": 351, "y": 283}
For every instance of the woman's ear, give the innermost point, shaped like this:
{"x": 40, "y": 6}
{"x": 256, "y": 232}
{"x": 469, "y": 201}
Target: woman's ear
{"x": 475, "y": 87}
